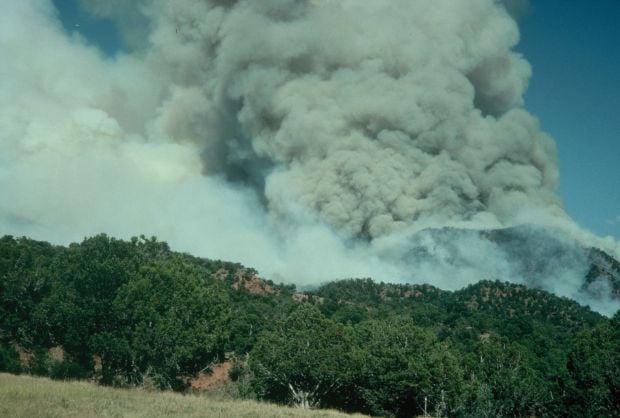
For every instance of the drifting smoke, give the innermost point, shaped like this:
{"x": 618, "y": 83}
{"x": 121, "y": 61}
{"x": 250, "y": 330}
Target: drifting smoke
{"x": 310, "y": 139}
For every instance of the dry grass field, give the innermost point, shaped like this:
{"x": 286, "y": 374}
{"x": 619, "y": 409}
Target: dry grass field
{"x": 32, "y": 397}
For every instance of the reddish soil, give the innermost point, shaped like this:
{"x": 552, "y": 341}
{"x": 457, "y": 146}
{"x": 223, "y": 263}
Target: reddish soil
{"x": 218, "y": 375}
{"x": 241, "y": 279}
{"x": 255, "y": 285}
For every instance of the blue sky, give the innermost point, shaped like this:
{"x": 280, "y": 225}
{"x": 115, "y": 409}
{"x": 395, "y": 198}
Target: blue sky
{"x": 102, "y": 32}
{"x": 574, "y": 50}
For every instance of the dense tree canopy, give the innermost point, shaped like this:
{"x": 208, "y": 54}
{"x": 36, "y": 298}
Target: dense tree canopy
{"x": 173, "y": 321}
{"x": 136, "y": 313}
{"x": 306, "y": 358}
{"x": 594, "y": 365}
{"x": 405, "y": 370}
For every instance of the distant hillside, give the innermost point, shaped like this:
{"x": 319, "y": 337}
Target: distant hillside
{"x": 539, "y": 250}
{"x": 506, "y": 310}
{"x": 603, "y": 277}
{"x": 532, "y": 255}
{"x": 135, "y": 314}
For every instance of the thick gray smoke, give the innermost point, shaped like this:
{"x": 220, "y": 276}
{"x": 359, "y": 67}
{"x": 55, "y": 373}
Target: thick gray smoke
{"x": 309, "y": 139}
{"x": 374, "y": 116}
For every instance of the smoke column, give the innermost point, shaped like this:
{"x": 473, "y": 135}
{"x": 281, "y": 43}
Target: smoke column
{"x": 310, "y": 139}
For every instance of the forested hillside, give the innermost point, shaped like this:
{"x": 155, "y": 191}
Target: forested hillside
{"x": 135, "y": 313}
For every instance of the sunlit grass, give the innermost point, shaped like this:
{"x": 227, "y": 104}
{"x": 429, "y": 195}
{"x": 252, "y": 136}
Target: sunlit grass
{"x": 25, "y": 396}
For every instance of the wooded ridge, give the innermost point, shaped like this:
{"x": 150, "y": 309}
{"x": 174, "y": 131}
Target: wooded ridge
{"x": 135, "y": 313}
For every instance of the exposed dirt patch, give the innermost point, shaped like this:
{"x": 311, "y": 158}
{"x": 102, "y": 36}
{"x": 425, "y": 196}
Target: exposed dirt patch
{"x": 221, "y": 274}
{"x": 254, "y": 285}
{"x": 57, "y": 353}
{"x": 24, "y": 356}
{"x": 218, "y": 375}
{"x": 300, "y": 297}
{"x": 244, "y": 279}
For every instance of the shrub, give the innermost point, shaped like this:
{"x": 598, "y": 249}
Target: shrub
{"x": 67, "y": 370}
{"x": 9, "y": 360}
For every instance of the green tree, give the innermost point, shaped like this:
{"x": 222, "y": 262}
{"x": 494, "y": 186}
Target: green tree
{"x": 304, "y": 360}
{"x": 25, "y": 280}
{"x": 174, "y": 322}
{"x": 9, "y": 360}
{"x": 403, "y": 369}
{"x": 594, "y": 366}
{"x": 502, "y": 383}
{"x": 79, "y": 307}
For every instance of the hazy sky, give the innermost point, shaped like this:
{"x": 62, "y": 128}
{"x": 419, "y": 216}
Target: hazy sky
{"x": 575, "y": 92}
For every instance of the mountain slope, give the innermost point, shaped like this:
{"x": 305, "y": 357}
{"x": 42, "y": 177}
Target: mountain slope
{"x": 538, "y": 257}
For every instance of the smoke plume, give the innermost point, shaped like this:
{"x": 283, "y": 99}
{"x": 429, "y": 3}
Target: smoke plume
{"x": 310, "y": 139}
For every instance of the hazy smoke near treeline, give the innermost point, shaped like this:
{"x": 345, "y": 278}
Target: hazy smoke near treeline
{"x": 309, "y": 139}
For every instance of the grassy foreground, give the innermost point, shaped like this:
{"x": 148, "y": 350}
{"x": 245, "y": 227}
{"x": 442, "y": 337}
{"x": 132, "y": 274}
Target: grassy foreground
{"x": 25, "y": 396}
